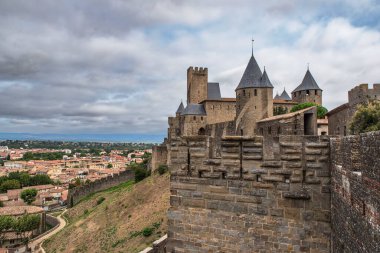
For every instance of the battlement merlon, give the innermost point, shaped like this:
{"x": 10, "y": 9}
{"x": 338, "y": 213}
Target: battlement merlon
{"x": 197, "y": 70}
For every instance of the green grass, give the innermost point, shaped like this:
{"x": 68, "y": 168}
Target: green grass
{"x": 123, "y": 186}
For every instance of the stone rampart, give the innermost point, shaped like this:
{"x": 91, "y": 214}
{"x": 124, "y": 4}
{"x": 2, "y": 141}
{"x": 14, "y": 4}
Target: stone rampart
{"x": 257, "y": 196}
{"x": 77, "y": 193}
{"x": 355, "y": 162}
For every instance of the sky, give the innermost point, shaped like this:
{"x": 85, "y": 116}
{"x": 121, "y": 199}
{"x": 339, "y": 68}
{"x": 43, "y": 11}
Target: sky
{"x": 119, "y": 66}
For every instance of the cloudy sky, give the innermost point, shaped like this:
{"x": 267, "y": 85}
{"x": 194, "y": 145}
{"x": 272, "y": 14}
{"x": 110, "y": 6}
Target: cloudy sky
{"x": 119, "y": 66}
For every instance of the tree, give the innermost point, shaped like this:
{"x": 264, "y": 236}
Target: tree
{"x": 110, "y": 166}
{"x": 10, "y": 184}
{"x": 40, "y": 180}
{"x": 29, "y": 195}
{"x": 25, "y": 224}
{"x": 1, "y": 162}
{"x": 366, "y": 118}
{"x": 321, "y": 111}
{"x": 8, "y": 157}
{"x": 6, "y": 224}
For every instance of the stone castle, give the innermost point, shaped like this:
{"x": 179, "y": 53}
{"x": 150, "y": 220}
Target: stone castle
{"x": 243, "y": 180}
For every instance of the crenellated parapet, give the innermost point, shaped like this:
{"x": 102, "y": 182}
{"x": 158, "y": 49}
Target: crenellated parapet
{"x": 244, "y": 201}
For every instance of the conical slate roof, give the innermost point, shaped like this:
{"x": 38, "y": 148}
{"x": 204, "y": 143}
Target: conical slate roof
{"x": 264, "y": 81}
{"x": 180, "y": 108}
{"x": 308, "y": 83}
{"x": 252, "y": 75}
{"x": 277, "y": 96}
{"x": 284, "y": 96}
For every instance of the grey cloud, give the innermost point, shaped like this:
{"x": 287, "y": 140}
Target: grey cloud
{"x": 120, "y": 66}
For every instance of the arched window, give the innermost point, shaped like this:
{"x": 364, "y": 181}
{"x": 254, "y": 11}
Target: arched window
{"x": 201, "y": 131}
{"x": 194, "y": 118}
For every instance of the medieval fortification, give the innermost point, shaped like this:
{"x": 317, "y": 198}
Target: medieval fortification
{"x": 243, "y": 180}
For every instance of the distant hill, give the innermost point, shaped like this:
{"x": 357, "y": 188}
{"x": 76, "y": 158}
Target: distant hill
{"x": 116, "y": 220}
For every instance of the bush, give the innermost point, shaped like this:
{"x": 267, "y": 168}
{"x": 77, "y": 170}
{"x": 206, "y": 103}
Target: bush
{"x": 321, "y": 111}
{"x": 29, "y": 195}
{"x": 85, "y": 211}
{"x": 148, "y": 231}
{"x": 100, "y": 200}
{"x": 366, "y": 118}
{"x": 162, "y": 169}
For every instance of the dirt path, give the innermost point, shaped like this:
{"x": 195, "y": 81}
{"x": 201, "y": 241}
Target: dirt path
{"x": 36, "y": 245}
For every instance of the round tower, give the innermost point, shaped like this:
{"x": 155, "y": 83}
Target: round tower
{"x": 308, "y": 90}
{"x": 254, "y": 98}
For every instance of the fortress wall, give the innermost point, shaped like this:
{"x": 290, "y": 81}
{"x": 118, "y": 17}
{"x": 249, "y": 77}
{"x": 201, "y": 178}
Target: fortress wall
{"x": 77, "y": 193}
{"x": 159, "y": 156}
{"x": 245, "y": 202}
{"x": 356, "y": 193}
{"x": 219, "y": 111}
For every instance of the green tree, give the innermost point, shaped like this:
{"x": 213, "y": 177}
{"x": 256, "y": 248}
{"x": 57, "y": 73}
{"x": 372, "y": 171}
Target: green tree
{"x": 110, "y": 166}
{"x": 366, "y": 118}
{"x": 321, "y": 111}
{"x": 29, "y": 195}
{"x": 40, "y": 180}
{"x": 25, "y": 224}
{"x": 1, "y": 162}
{"x": 6, "y": 224}
{"x": 8, "y": 157}
{"x": 10, "y": 184}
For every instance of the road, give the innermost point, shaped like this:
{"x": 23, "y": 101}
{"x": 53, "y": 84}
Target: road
{"x": 36, "y": 244}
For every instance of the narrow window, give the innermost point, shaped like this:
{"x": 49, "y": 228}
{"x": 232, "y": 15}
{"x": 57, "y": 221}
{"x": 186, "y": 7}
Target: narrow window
{"x": 363, "y": 211}
{"x": 255, "y": 92}
{"x": 279, "y": 130}
{"x": 269, "y": 130}
{"x": 316, "y": 92}
{"x": 307, "y": 92}
{"x": 258, "y": 178}
{"x": 194, "y": 118}
{"x": 244, "y": 93}
{"x": 202, "y": 118}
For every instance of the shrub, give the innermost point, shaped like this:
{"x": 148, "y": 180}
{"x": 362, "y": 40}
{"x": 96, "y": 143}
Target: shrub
{"x": 148, "y": 231}
{"x": 29, "y": 195}
{"x": 85, "y": 211}
{"x": 100, "y": 200}
{"x": 366, "y": 118}
{"x": 162, "y": 169}
{"x": 321, "y": 111}
{"x": 140, "y": 174}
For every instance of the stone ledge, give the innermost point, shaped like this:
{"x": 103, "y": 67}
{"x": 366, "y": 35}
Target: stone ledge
{"x": 297, "y": 195}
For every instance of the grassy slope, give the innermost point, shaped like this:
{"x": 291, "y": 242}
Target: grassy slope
{"x": 114, "y": 225}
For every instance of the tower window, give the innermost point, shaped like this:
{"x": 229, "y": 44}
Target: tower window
{"x": 307, "y": 92}
{"x": 255, "y": 92}
{"x": 194, "y": 118}
{"x": 316, "y": 92}
{"x": 202, "y": 118}
{"x": 244, "y": 93}
{"x": 269, "y": 130}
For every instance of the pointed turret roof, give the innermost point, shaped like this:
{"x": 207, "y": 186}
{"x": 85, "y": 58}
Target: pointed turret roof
{"x": 180, "y": 108}
{"x": 264, "y": 80}
{"x": 308, "y": 83}
{"x": 252, "y": 75}
{"x": 285, "y": 96}
{"x": 277, "y": 96}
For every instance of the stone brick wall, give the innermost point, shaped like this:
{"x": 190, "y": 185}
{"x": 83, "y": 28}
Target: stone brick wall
{"x": 220, "y": 111}
{"x": 314, "y": 96}
{"x": 252, "y": 105}
{"x": 159, "y": 156}
{"x": 245, "y": 202}
{"x": 289, "y": 124}
{"x": 77, "y": 193}
{"x": 197, "y": 79}
{"x": 356, "y": 193}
